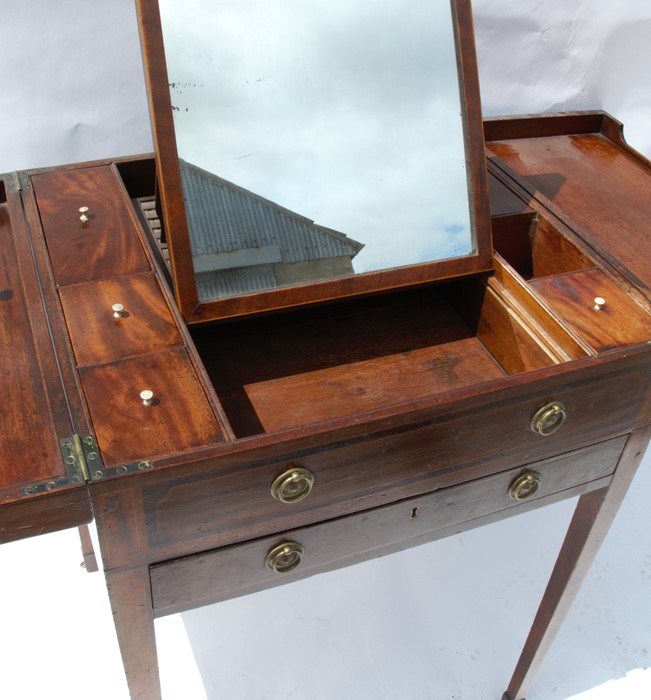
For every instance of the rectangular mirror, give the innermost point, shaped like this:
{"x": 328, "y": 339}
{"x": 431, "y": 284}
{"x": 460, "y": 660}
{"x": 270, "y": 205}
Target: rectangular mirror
{"x": 310, "y": 150}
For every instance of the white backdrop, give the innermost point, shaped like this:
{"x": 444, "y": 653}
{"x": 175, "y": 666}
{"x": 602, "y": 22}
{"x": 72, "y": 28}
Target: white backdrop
{"x": 439, "y": 622}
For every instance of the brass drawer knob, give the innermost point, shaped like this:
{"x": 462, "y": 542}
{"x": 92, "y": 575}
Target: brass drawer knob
{"x": 147, "y": 397}
{"x": 293, "y": 485}
{"x": 525, "y": 486}
{"x": 549, "y": 418}
{"x": 84, "y": 218}
{"x": 284, "y": 557}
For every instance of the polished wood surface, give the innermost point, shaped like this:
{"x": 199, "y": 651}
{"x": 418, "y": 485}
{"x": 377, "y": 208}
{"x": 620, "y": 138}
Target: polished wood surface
{"x": 37, "y": 490}
{"x": 205, "y": 578}
{"x": 535, "y": 247}
{"x": 589, "y": 177}
{"x": 617, "y": 323}
{"x": 412, "y": 410}
{"x": 98, "y": 336}
{"x": 105, "y": 246}
{"x": 179, "y": 418}
{"x": 26, "y": 411}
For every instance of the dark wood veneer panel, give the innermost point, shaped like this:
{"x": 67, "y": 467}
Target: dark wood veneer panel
{"x": 230, "y": 503}
{"x": 598, "y": 187}
{"x": 29, "y": 446}
{"x": 356, "y": 388}
{"x": 127, "y": 430}
{"x": 97, "y": 336}
{"x": 107, "y": 245}
{"x": 621, "y": 321}
{"x": 234, "y": 571}
{"x": 49, "y": 513}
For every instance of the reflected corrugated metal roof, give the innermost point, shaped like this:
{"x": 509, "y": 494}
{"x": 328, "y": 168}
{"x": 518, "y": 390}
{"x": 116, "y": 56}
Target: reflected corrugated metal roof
{"x": 239, "y": 280}
{"x": 224, "y": 217}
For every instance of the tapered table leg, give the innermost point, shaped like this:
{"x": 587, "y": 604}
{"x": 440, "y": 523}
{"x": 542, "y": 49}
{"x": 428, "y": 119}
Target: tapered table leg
{"x": 87, "y": 549}
{"x": 130, "y": 595}
{"x": 592, "y": 518}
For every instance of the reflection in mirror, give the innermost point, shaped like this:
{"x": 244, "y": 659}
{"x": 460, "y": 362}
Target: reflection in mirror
{"x": 317, "y": 138}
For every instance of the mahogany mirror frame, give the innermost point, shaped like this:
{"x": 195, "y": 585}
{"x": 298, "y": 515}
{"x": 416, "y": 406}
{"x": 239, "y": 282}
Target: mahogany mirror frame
{"x": 174, "y": 221}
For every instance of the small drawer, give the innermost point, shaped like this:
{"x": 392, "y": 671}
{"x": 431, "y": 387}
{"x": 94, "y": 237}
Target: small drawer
{"x": 114, "y": 318}
{"x": 225, "y": 503}
{"x": 232, "y": 571}
{"x": 596, "y": 308}
{"x": 130, "y": 426}
{"x": 106, "y": 243}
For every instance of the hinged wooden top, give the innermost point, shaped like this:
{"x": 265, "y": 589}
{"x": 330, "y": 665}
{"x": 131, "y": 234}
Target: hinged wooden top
{"x": 42, "y": 484}
{"x": 579, "y": 167}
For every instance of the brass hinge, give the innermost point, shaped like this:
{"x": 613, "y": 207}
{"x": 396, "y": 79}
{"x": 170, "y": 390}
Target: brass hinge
{"x": 14, "y": 184}
{"x": 131, "y": 468}
{"x": 80, "y": 456}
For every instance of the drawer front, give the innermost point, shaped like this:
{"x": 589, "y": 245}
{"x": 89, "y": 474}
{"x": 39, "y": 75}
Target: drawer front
{"x": 105, "y": 245}
{"x": 596, "y": 308}
{"x": 223, "y": 504}
{"x": 128, "y": 427}
{"x": 101, "y": 331}
{"x": 219, "y": 574}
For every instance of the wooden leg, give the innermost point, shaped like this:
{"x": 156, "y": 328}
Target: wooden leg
{"x": 592, "y": 518}
{"x": 87, "y": 550}
{"x": 130, "y": 595}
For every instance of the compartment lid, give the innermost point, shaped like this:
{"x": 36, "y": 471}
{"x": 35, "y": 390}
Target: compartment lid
{"x": 579, "y": 167}
{"x": 42, "y": 479}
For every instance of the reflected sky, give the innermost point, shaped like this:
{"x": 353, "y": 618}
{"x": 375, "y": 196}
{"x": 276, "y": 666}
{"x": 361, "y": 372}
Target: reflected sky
{"x": 344, "y": 111}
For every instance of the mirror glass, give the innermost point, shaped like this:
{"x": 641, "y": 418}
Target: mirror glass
{"x": 317, "y": 138}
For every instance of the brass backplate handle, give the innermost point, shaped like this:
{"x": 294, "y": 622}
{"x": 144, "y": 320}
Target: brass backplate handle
{"x": 549, "y": 418}
{"x": 525, "y": 486}
{"x": 284, "y": 557}
{"x": 292, "y": 485}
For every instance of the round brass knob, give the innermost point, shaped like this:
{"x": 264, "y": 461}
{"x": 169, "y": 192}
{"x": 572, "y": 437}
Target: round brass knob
{"x": 284, "y": 557}
{"x": 549, "y": 418}
{"x": 84, "y": 218}
{"x": 118, "y": 310}
{"x": 147, "y": 397}
{"x": 525, "y": 486}
{"x": 293, "y": 485}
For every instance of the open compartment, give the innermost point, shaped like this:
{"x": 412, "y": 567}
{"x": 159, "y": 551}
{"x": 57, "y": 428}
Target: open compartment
{"x": 343, "y": 360}
{"x": 535, "y": 248}
{"x": 552, "y": 261}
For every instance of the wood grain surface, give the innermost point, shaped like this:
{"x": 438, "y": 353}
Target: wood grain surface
{"x": 179, "y": 419}
{"x": 107, "y": 245}
{"x": 97, "y": 336}
{"x": 619, "y": 322}
{"x": 599, "y": 188}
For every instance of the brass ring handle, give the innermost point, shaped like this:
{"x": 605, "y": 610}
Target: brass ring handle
{"x": 549, "y": 418}
{"x": 293, "y": 485}
{"x": 284, "y": 557}
{"x": 525, "y": 486}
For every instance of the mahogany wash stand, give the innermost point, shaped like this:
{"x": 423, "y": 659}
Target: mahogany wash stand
{"x": 223, "y": 459}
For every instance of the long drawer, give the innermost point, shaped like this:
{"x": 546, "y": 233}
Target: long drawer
{"x": 222, "y": 503}
{"x": 231, "y": 571}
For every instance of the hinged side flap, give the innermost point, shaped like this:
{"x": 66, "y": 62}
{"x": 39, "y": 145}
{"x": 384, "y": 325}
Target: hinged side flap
{"x": 40, "y": 489}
